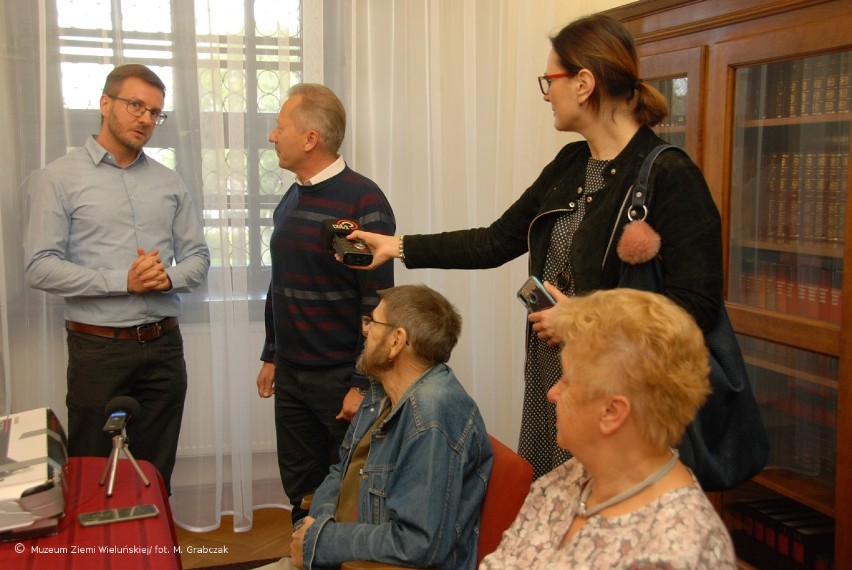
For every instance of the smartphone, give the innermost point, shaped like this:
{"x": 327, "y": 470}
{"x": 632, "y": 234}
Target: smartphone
{"x": 534, "y": 296}
{"x": 117, "y": 515}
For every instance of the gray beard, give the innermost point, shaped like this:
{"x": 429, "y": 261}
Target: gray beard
{"x": 372, "y": 363}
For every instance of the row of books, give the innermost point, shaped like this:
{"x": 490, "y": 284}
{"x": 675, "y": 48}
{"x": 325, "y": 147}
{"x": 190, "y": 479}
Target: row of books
{"x": 800, "y": 439}
{"x": 810, "y": 363}
{"x": 804, "y": 450}
{"x": 797, "y": 88}
{"x": 799, "y": 409}
{"x": 805, "y": 291}
{"x": 808, "y": 405}
{"x": 803, "y": 536}
{"x": 802, "y": 429}
{"x": 805, "y": 197}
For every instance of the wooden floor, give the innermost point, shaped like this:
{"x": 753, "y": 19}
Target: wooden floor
{"x": 268, "y": 538}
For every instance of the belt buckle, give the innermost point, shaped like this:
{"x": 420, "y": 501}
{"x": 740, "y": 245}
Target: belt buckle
{"x": 142, "y": 332}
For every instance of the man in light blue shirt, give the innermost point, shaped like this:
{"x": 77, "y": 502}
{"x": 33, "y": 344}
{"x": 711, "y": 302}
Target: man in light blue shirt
{"x": 117, "y": 235}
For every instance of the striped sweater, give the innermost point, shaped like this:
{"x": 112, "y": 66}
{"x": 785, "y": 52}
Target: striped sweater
{"x": 314, "y": 303}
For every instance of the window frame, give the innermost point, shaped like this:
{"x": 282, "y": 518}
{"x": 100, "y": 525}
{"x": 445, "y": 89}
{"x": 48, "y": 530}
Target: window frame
{"x": 185, "y": 117}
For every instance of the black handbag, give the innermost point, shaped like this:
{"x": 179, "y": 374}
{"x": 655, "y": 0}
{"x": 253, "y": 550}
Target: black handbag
{"x": 726, "y": 444}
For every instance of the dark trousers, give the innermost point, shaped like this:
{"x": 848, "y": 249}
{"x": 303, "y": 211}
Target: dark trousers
{"x": 308, "y": 436}
{"x": 153, "y": 373}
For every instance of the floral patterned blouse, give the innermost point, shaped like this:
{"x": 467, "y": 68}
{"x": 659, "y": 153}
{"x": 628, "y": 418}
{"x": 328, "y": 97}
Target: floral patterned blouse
{"x": 680, "y": 529}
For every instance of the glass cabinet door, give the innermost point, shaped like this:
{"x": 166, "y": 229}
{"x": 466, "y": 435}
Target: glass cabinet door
{"x": 797, "y": 393}
{"x": 677, "y": 75}
{"x": 673, "y": 127}
{"x": 789, "y": 182}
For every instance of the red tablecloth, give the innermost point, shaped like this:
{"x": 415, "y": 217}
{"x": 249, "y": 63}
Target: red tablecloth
{"x": 145, "y": 543}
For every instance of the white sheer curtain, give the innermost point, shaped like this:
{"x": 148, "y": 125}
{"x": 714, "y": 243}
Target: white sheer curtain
{"x": 444, "y": 113}
{"x": 226, "y": 66}
{"x": 447, "y": 117}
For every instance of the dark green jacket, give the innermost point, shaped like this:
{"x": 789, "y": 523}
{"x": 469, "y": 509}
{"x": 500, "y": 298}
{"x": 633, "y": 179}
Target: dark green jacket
{"x": 682, "y": 212}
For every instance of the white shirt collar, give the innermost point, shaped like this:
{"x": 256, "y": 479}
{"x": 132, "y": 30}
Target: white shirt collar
{"x": 332, "y": 169}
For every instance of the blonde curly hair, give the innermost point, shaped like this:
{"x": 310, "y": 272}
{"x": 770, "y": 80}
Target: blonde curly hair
{"x": 642, "y": 346}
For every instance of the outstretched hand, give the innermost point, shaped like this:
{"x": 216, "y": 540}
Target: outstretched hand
{"x": 543, "y": 322}
{"x": 383, "y": 247}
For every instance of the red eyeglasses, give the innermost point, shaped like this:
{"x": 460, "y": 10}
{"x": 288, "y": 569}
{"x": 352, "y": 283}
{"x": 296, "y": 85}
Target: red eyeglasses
{"x": 545, "y": 80}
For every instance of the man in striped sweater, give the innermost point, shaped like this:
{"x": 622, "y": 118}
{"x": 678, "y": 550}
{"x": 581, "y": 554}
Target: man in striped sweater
{"x": 314, "y": 303}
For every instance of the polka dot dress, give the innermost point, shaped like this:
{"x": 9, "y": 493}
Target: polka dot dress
{"x": 538, "y": 424}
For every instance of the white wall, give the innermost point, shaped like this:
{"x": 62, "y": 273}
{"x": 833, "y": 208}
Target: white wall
{"x": 446, "y": 116}
{"x": 572, "y": 9}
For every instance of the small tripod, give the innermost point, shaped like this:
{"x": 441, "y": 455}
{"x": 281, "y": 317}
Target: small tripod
{"x": 120, "y": 445}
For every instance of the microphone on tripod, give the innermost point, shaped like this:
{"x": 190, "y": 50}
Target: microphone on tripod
{"x": 119, "y": 411}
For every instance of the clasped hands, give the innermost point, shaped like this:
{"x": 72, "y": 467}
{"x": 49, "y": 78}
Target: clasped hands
{"x": 147, "y": 273}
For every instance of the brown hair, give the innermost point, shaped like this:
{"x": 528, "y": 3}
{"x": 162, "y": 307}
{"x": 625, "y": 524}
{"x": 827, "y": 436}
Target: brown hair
{"x": 320, "y": 110}
{"x": 604, "y": 47}
{"x": 433, "y": 324}
{"x": 117, "y": 76}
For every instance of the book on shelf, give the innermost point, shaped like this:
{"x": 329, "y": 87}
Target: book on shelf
{"x": 829, "y": 102}
{"x": 797, "y": 532}
{"x": 807, "y": 78}
{"x": 794, "y": 88}
{"x": 790, "y": 285}
{"x": 835, "y": 297}
{"x": 805, "y": 196}
{"x": 812, "y": 298}
{"x": 817, "y": 85}
{"x": 791, "y": 292}
{"x": 781, "y": 273}
{"x": 843, "y": 102}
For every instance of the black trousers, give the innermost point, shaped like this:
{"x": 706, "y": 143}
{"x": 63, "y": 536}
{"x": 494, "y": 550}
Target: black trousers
{"x": 153, "y": 373}
{"x": 308, "y": 436}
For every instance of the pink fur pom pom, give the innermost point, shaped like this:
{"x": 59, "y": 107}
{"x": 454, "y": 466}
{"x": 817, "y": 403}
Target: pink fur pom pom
{"x": 639, "y": 243}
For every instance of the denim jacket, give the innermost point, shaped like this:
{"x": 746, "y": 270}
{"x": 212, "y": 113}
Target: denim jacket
{"x": 422, "y": 484}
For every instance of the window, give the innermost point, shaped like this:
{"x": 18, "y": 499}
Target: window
{"x": 227, "y": 65}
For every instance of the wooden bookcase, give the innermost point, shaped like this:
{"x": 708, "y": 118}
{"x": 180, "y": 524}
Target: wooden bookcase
{"x": 760, "y": 93}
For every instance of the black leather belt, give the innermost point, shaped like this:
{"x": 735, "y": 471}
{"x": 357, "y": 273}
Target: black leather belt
{"x": 141, "y": 333}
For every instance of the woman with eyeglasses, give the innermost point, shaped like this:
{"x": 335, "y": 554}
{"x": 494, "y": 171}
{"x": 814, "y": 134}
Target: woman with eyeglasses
{"x": 572, "y": 216}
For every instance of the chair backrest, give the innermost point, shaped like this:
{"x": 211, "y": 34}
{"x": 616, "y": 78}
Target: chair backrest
{"x": 511, "y": 477}
{"x": 508, "y": 486}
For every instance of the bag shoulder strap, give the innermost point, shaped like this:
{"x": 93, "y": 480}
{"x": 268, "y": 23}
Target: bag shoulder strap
{"x": 639, "y": 194}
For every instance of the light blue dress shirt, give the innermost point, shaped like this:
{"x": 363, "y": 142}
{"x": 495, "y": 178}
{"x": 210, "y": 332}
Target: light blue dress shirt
{"x": 87, "y": 216}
